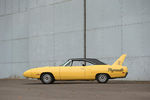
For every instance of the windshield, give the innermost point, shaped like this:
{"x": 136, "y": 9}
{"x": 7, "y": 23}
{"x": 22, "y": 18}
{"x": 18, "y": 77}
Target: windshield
{"x": 67, "y": 63}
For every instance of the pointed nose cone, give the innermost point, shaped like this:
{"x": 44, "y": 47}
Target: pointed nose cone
{"x": 27, "y": 73}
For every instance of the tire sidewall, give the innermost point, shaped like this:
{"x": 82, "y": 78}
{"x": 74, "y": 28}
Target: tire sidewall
{"x": 51, "y": 78}
{"x": 100, "y": 75}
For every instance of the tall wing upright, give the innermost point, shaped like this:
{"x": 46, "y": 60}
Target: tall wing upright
{"x": 120, "y": 60}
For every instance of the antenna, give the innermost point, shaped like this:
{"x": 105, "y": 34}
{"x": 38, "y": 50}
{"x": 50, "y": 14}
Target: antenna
{"x": 85, "y": 29}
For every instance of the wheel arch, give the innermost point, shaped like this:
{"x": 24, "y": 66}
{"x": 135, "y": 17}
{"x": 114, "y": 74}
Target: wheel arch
{"x": 102, "y": 73}
{"x": 47, "y": 73}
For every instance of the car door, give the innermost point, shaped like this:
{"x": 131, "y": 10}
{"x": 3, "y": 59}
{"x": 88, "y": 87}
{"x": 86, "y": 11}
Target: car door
{"x": 73, "y": 71}
{"x": 89, "y": 72}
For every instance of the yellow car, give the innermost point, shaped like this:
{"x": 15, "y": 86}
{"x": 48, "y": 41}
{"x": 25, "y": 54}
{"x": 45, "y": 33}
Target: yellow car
{"x": 80, "y": 69}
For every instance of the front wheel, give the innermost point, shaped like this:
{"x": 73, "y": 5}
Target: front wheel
{"x": 102, "y": 78}
{"x": 47, "y": 78}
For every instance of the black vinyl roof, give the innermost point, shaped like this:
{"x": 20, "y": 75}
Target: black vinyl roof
{"x": 90, "y": 60}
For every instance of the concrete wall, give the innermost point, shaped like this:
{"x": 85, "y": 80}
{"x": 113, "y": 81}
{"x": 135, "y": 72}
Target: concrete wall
{"x": 120, "y": 26}
{"x": 47, "y": 32}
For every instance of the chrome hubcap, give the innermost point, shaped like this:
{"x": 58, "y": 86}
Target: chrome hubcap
{"x": 102, "y": 78}
{"x": 47, "y": 78}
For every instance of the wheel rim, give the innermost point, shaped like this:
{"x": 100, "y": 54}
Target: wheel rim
{"x": 47, "y": 78}
{"x": 102, "y": 78}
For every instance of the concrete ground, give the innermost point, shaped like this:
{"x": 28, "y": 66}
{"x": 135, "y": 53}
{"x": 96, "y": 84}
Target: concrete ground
{"x": 73, "y": 90}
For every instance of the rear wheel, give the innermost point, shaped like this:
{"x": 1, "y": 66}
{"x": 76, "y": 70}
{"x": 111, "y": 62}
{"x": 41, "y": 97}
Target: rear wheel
{"x": 47, "y": 78}
{"x": 102, "y": 78}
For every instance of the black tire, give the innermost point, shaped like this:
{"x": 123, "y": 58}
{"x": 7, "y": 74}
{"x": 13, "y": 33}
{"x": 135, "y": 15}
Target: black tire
{"x": 102, "y": 78}
{"x": 47, "y": 78}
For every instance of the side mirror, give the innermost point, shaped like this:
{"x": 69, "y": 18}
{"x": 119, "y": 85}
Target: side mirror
{"x": 83, "y": 64}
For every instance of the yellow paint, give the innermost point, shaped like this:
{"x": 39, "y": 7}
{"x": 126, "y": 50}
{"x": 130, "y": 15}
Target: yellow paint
{"x": 120, "y": 60}
{"x": 80, "y": 72}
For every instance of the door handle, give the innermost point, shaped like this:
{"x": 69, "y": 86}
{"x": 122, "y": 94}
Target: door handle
{"x": 82, "y": 68}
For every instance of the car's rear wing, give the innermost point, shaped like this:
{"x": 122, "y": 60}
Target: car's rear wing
{"x": 120, "y": 60}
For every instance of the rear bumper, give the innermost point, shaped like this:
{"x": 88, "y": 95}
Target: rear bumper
{"x": 121, "y": 77}
{"x": 125, "y": 75}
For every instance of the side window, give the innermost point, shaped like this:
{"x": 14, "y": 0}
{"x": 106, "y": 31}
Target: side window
{"x": 77, "y": 63}
{"x": 88, "y": 64}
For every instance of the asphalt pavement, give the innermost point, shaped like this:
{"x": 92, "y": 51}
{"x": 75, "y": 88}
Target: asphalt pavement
{"x": 23, "y": 89}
